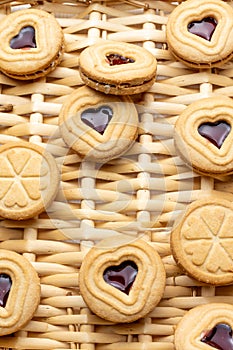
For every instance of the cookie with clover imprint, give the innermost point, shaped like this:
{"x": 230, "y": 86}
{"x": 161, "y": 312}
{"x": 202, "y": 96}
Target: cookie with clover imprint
{"x": 200, "y": 33}
{"x": 31, "y": 44}
{"x": 19, "y": 291}
{"x": 29, "y": 180}
{"x": 117, "y": 68}
{"x": 122, "y": 281}
{"x": 205, "y": 327}
{"x": 97, "y": 126}
{"x": 203, "y": 135}
{"x": 202, "y": 240}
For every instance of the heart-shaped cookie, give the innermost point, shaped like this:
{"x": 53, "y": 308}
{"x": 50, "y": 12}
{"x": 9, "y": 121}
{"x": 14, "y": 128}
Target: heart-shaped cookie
{"x": 124, "y": 282}
{"x": 203, "y": 135}
{"x": 200, "y": 34}
{"x": 205, "y": 327}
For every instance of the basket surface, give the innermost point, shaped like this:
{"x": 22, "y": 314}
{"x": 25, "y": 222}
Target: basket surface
{"x": 139, "y": 194}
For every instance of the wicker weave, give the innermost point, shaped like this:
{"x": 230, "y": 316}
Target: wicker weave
{"x": 140, "y": 194}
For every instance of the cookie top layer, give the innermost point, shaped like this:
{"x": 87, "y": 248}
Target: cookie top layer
{"x": 117, "y": 68}
{"x": 97, "y": 126}
{"x": 202, "y": 241}
{"x": 203, "y": 135}
{"x": 29, "y": 180}
{"x": 122, "y": 283}
{"x": 200, "y": 33}
{"x": 206, "y": 326}
{"x": 19, "y": 291}
{"x": 31, "y": 43}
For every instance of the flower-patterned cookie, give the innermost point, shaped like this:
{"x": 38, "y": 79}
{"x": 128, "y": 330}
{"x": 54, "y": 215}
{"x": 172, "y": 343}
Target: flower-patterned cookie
{"x": 202, "y": 241}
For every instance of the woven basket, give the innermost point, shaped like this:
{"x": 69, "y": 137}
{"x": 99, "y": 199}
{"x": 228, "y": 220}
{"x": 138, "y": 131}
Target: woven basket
{"x": 139, "y": 194}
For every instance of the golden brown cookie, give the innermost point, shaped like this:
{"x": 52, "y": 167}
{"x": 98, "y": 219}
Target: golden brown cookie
{"x": 122, "y": 283}
{"x": 97, "y": 126}
{"x": 31, "y": 44}
{"x": 19, "y": 291}
{"x": 117, "y": 68}
{"x": 200, "y": 33}
{"x": 206, "y": 327}
{"x": 29, "y": 180}
{"x": 204, "y": 133}
{"x": 202, "y": 241}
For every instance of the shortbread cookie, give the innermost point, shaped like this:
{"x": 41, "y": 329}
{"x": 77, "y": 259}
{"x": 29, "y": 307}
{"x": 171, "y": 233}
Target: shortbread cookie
{"x": 204, "y": 135}
{"x": 29, "y": 180}
{"x": 19, "y": 291}
{"x": 122, "y": 283}
{"x": 117, "y": 68}
{"x": 202, "y": 241}
{"x": 206, "y": 327}
{"x": 31, "y": 44}
{"x": 200, "y": 33}
{"x": 97, "y": 126}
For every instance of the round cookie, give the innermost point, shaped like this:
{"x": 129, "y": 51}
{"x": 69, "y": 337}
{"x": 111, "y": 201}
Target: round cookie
{"x": 122, "y": 283}
{"x": 31, "y": 44}
{"x": 29, "y": 180}
{"x": 202, "y": 241}
{"x": 19, "y": 291}
{"x": 203, "y": 135}
{"x": 117, "y": 68}
{"x": 97, "y": 126}
{"x": 206, "y": 327}
{"x": 200, "y": 33}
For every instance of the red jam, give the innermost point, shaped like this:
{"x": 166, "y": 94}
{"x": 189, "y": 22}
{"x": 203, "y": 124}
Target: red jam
{"x": 204, "y": 28}
{"x": 25, "y": 39}
{"x": 216, "y": 132}
{"x": 122, "y": 276}
{"x": 220, "y": 337}
{"x": 114, "y": 59}
{"x": 97, "y": 118}
{"x": 5, "y": 286}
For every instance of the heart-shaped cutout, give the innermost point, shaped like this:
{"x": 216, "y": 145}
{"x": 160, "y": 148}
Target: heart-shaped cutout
{"x": 219, "y": 337}
{"x": 216, "y": 132}
{"x": 5, "y": 286}
{"x": 25, "y": 39}
{"x": 121, "y": 276}
{"x": 97, "y": 118}
{"x": 114, "y": 59}
{"x": 204, "y": 28}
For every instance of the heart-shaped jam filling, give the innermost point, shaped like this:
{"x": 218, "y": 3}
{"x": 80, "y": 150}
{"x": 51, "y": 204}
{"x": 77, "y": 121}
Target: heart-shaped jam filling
{"x": 122, "y": 276}
{"x": 220, "y": 337}
{"x": 5, "y": 286}
{"x": 25, "y": 39}
{"x": 216, "y": 132}
{"x": 97, "y": 118}
{"x": 204, "y": 28}
{"x": 114, "y": 59}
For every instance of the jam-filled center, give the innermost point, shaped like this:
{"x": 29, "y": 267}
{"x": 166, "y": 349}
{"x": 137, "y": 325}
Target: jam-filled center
{"x": 204, "y": 28}
{"x": 216, "y": 132}
{"x": 25, "y": 39}
{"x": 220, "y": 337}
{"x": 97, "y": 118}
{"x": 122, "y": 276}
{"x": 5, "y": 286}
{"x": 115, "y": 59}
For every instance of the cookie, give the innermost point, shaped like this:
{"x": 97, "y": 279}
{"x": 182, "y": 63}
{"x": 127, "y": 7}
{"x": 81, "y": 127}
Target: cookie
{"x": 117, "y": 67}
{"x": 19, "y": 291}
{"x": 31, "y": 44}
{"x": 206, "y": 327}
{"x": 200, "y": 33}
{"x": 122, "y": 283}
{"x": 203, "y": 136}
{"x": 201, "y": 242}
{"x": 97, "y": 126}
{"x": 29, "y": 180}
